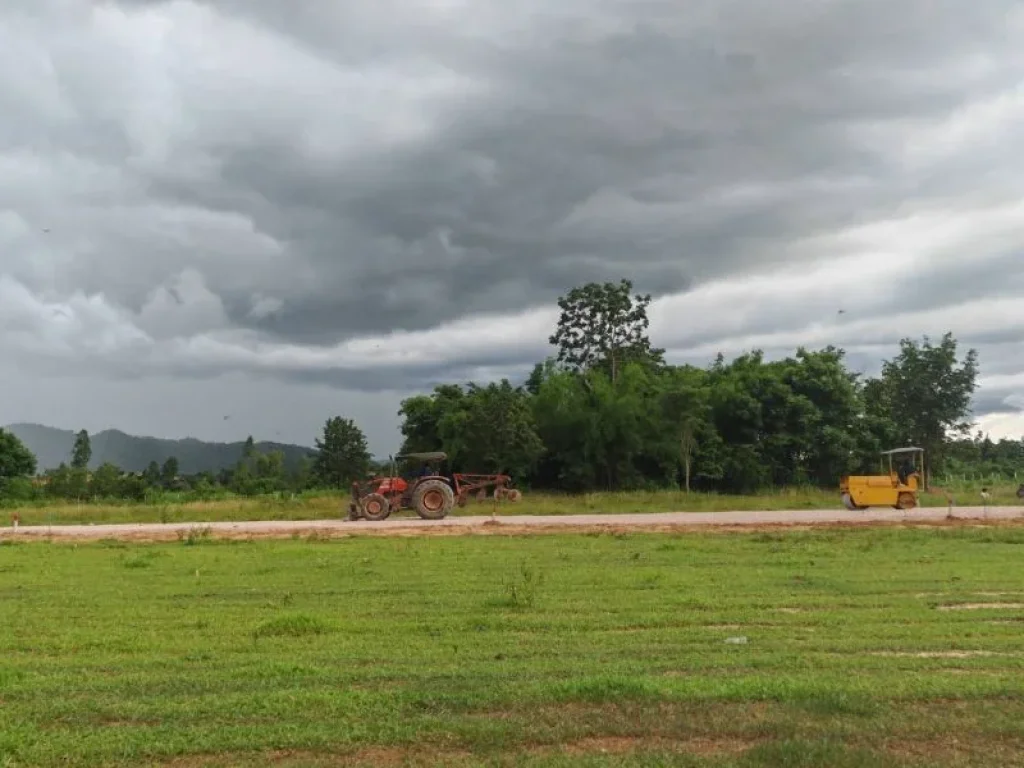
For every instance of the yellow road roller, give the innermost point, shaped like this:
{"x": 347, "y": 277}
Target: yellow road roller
{"x": 898, "y": 489}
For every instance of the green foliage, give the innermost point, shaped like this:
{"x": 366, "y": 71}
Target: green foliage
{"x": 601, "y": 326}
{"x": 67, "y": 483}
{"x": 81, "y": 453}
{"x": 16, "y": 461}
{"x": 521, "y": 589}
{"x": 427, "y": 420}
{"x": 293, "y": 625}
{"x": 106, "y": 482}
{"x": 983, "y": 458}
{"x": 342, "y": 455}
{"x": 925, "y": 394}
{"x": 482, "y": 428}
{"x": 169, "y": 471}
{"x": 607, "y": 413}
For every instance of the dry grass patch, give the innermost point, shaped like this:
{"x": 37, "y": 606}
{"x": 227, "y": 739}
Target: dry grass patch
{"x": 981, "y": 606}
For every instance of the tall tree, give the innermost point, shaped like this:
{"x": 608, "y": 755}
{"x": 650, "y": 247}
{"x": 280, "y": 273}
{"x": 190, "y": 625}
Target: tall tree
{"x": 831, "y": 426}
{"x": 926, "y": 393}
{"x": 152, "y": 474}
{"x": 341, "y": 454}
{"x": 169, "y": 471}
{"x": 16, "y": 460}
{"x": 270, "y": 474}
{"x": 603, "y": 326}
{"x": 685, "y": 410}
{"x": 569, "y": 428}
{"x": 81, "y": 453}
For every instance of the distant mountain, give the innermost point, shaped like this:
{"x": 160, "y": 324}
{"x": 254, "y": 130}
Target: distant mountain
{"x": 133, "y": 454}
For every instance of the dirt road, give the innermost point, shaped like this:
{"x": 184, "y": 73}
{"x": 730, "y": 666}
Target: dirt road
{"x": 518, "y": 524}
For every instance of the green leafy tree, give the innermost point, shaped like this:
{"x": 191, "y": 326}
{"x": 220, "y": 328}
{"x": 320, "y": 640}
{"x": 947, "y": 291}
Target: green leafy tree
{"x": 58, "y": 482}
{"x": 568, "y": 427}
{"x": 133, "y": 487}
{"x": 169, "y": 471}
{"x": 68, "y": 483}
{"x": 684, "y": 405}
{"x": 598, "y": 433}
{"x": 341, "y": 454}
{"x": 497, "y": 431}
{"x": 243, "y": 479}
{"x": 301, "y": 476}
{"x": 16, "y": 461}
{"x": 105, "y": 482}
{"x": 270, "y": 473}
{"x": 81, "y": 453}
{"x": 152, "y": 474}
{"x": 427, "y": 420}
{"x": 832, "y": 422}
{"x": 603, "y": 326}
{"x": 924, "y": 394}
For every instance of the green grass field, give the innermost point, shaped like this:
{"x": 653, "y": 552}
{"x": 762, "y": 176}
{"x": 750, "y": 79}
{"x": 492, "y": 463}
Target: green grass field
{"x": 871, "y": 647}
{"x": 323, "y": 507}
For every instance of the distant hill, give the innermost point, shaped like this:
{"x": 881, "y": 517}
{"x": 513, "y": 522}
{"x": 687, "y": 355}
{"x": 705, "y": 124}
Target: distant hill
{"x": 133, "y": 454}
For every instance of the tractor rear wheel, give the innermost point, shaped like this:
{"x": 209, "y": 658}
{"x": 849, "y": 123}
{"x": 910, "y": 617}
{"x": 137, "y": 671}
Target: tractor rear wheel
{"x": 375, "y": 507}
{"x": 433, "y": 499}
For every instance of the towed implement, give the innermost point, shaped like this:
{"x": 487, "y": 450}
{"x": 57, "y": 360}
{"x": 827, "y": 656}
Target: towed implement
{"x": 898, "y": 489}
{"x": 431, "y": 494}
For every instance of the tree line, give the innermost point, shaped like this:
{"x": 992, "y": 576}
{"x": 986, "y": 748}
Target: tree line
{"x": 605, "y": 411}
{"x": 341, "y": 455}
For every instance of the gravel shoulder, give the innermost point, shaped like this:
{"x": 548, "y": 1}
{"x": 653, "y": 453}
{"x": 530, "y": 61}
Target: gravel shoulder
{"x": 522, "y": 524}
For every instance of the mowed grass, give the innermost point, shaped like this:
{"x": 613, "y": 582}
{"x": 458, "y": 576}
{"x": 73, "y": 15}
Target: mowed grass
{"x": 868, "y": 647}
{"x": 325, "y": 507}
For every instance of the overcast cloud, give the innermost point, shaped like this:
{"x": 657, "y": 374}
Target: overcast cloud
{"x": 239, "y": 216}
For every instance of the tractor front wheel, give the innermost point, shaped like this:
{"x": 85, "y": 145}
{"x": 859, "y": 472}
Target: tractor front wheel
{"x": 375, "y": 507}
{"x": 433, "y": 499}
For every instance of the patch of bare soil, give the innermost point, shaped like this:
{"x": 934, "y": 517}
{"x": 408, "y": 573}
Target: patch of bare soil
{"x": 988, "y": 751}
{"x": 627, "y": 745}
{"x": 936, "y": 654}
{"x": 367, "y": 756}
{"x": 980, "y": 606}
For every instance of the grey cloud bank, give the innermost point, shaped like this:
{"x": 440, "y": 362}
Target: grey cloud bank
{"x": 328, "y": 205}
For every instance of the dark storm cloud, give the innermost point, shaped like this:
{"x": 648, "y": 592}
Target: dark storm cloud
{"x": 250, "y": 184}
{"x": 591, "y": 151}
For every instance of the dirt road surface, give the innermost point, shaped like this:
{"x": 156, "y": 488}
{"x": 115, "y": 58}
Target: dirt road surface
{"x": 521, "y": 524}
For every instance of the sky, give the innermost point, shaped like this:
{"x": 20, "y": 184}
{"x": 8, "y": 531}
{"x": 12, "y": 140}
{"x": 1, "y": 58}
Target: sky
{"x": 231, "y": 217}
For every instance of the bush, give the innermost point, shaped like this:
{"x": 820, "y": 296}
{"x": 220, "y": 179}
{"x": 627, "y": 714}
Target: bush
{"x": 18, "y": 490}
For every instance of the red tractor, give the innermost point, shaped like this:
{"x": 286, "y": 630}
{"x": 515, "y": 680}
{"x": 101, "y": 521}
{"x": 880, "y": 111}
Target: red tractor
{"x": 427, "y": 491}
